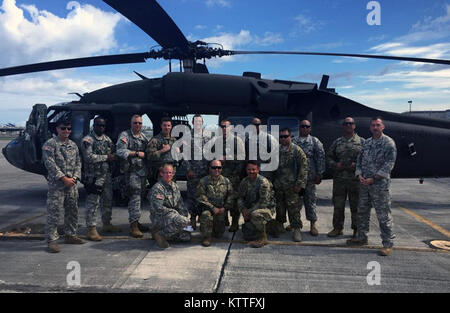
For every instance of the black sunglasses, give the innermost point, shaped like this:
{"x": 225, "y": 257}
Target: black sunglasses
{"x": 216, "y": 167}
{"x": 305, "y": 126}
{"x": 65, "y": 128}
{"x": 285, "y": 136}
{"x": 100, "y": 125}
{"x": 137, "y": 123}
{"x": 348, "y": 123}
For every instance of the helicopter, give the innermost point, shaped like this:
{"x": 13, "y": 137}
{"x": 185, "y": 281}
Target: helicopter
{"x": 237, "y": 98}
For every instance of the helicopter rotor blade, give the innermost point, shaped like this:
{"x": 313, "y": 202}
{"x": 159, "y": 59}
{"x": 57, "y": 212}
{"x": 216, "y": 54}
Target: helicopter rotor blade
{"x": 352, "y": 55}
{"x": 151, "y": 18}
{"x": 80, "y": 62}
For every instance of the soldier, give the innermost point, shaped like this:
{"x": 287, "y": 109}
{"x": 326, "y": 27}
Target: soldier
{"x": 267, "y": 144}
{"x": 98, "y": 155}
{"x": 214, "y": 196}
{"x": 373, "y": 169}
{"x": 158, "y": 149}
{"x": 131, "y": 147}
{"x": 290, "y": 183}
{"x": 315, "y": 154}
{"x": 168, "y": 214}
{"x": 196, "y": 169}
{"x": 341, "y": 159}
{"x": 63, "y": 164}
{"x": 232, "y": 168}
{"x": 256, "y": 204}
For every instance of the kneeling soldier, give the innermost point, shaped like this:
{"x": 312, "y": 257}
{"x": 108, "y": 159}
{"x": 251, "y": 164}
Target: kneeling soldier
{"x": 168, "y": 215}
{"x": 214, "y": 196}
{"x": 256, "y": 203}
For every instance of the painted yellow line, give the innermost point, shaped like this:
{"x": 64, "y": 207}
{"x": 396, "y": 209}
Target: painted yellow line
{"x": 426, "y": 221}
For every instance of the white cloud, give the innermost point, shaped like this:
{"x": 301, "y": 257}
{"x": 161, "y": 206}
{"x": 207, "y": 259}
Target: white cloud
{"x": 268, "y": 39}
{"x": 220, "y": 3}
{"x": 304, "y": 24}
{"x": 85, "y": 31}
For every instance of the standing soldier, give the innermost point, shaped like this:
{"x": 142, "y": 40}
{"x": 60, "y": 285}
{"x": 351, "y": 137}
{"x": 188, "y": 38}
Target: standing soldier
{"x": 232, "y": 168}
{"x": 315, "y": 154}
{"x": 158, "y": 149}
{"x": 214, "y": 196}
{"x": 168, "y": 214}
{"x": 131, "y": 147}
{"x": 341, "y": 160}
{"x": 63, "y": 164}
{"x": 196, "y": 167}
{"x": 98, "y": 155}
{"x": 256, "y": 204}
{"x": 373, "y": 169}
{"x": 290, "y": 183}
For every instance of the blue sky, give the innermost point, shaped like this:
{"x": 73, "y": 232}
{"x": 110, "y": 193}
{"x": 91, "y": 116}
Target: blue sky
{"x": 35, "y": 31}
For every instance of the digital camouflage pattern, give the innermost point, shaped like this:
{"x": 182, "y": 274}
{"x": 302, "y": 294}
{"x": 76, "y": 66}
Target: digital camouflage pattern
{"x": 257, "y": 197}
{"x": 345, "y": 183}
{"x": 134, "y": 170}
{"x": 61, "y": 159}
{"x": 200, "y": 169}
{"x": 377, "y": 157}
{"x": 285, "y": 178}
{"x": 214, "y": 192}
{"x": 168, "y": 214}
{"x": 156, "y": 158}
{"x": 315, "y": 154}
{"x": 97, "y": 177}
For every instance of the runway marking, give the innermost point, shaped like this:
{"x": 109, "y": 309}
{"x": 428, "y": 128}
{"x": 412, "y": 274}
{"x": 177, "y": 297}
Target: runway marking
{"x": 426, "y": 221}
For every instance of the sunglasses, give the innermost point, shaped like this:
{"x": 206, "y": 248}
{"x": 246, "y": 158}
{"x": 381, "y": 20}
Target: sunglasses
{"x": 256, "y": 124}
{"x": 137, "y": 123}
{"x": 223, "y": 126}
{"x": 305, "y": 126}
{"x": 216, "y": 167}
{"x": 348, "y": 123}
{"x": 100, "y": 125}
{"x": 66, "y": 128}
{"x": 285, "y": 136}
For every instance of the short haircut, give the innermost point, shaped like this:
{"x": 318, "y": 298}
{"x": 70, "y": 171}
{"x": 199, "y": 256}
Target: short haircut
{"x": 63, "y": 121}
{"x": 164, "y": 166}
{"x": 166, "y": 119}
{"x": 210, "y": 163}
{"x": 224, "y": 121}
{"x": 135, "y": 116}
{"x": 376, "y": 118}
{"x": 196, "y": 115}
{"x": 285, "y": 129}
{"x": 253, "y": 162}
{"x": 99, "y": 118}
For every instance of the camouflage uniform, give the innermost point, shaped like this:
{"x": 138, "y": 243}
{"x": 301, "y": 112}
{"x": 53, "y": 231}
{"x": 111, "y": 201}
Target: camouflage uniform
{"x": 134, "y": 169}
{"x": 267, "y": 144}
{"x": 377, "y": 157}
{"x": 61, "y": 159}
{"x": 213, "y": 192}
{"x": 286, "y": 176}
{"x": 344, "y": 151}
{"x": 255, "y": 196}
{"x": 200, "y": 169}
{"x": 97, "y": 177}
{"x": 156, "y": 158}
{"x": 315, "y": 154}
{"x": 168, "y": 214}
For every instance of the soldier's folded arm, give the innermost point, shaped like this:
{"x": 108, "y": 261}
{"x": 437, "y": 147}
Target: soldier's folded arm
{"x": 152, "y": 150}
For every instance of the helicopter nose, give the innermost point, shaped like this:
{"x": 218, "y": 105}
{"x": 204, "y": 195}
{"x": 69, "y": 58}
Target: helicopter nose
{"x": 13, "y": 153}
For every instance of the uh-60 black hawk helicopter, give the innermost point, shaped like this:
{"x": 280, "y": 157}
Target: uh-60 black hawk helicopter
{"x": 423, "y": 144}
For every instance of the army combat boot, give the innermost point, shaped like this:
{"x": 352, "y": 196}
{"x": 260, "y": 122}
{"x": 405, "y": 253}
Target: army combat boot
{"x": 109, "y": 228}
{"x": 297, "y": 235}
{"x": 93, "y": 234}
{"x": 206, "y": 242}
{"x": 313, "y": 231}
{"x": 53, "y": 247}
{"x": 142, "y": 227}
{"x": 385, "y": 251}
{"x": 134, "y": 230}
{"x": 335, "y": 232}
{"x": 261, "y": 242}
{"x": 234, "y": 224}
{"x": 73, "y": 240}
{"x": 160, "y": 240}
{"x": 356, "y": 242}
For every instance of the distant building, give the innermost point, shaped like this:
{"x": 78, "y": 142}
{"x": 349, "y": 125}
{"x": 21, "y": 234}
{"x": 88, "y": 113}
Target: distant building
{"x": 445, "y": 115}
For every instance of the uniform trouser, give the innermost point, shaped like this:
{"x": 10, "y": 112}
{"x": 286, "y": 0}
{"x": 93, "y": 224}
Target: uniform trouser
{"x": 211, "y": 224}
{"x": 93, "y": 202}
{"x": 259, "y": 219}
{"x": 58, "y": 198}
{"x": 377, "y": 195}
{"x": 309, "y": 199}
{"x": 137, "y": 188}
{"x": 343, "y": 187}
{"x": 191, "y": 202}
{"x": 170, "y": 225}
{"x": 288, "y": 200}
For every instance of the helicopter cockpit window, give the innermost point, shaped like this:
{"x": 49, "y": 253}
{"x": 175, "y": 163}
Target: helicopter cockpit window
{"x": 283, "y": 122}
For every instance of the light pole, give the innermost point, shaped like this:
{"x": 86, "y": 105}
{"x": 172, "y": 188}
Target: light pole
{"x": 410, "y": 102}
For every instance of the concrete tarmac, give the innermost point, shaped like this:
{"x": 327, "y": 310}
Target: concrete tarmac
{"x": 317, "y": 264}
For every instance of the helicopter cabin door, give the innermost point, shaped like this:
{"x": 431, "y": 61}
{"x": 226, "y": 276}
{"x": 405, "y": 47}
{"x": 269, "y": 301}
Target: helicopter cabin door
{"x": 36, "y": 133}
